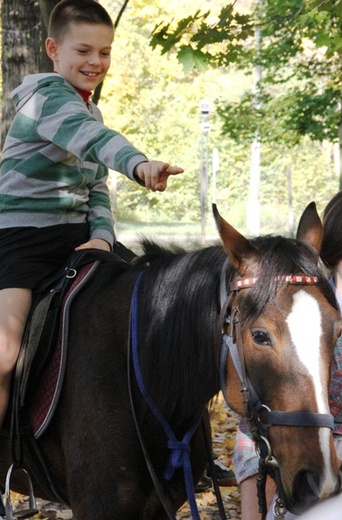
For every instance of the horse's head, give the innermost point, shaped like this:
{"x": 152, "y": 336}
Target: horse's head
{"x": 284, "y": 325}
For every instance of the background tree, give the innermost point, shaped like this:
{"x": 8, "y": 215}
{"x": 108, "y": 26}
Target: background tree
{"x": 302, "y": 84}
{"x": 20, "y": 40}
{"x": 45, "y": 8}
{"x": 299, "y": 95}
{"x": 301, "y": 56}
{"x": 150, "y": 99}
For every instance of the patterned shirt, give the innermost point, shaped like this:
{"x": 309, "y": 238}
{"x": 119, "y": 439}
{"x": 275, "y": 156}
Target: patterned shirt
{"x": 335, "y": 390}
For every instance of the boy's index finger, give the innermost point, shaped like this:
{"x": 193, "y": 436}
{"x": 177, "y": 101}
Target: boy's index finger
{"x": 174, "y": 170}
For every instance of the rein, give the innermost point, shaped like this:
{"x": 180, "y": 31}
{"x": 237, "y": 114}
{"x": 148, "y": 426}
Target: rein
{"x": 179, "y": 449}
{"x": 252, "y": 404}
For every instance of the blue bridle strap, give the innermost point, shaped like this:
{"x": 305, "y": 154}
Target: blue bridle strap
{"x": 180, "y": 450}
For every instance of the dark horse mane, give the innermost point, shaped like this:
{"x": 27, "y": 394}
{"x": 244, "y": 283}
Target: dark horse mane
{"x": 178, "y": 315}
{"x": 179, "y": 309}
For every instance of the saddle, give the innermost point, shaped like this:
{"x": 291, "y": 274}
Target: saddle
{"x": 39, "y": 373}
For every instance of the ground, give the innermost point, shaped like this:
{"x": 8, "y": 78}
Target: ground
{"x": 224, "y": 423}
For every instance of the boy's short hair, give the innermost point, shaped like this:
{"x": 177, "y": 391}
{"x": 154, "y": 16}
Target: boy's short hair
{"x": 331, "y": 248}
{"x": 76, "y": 11}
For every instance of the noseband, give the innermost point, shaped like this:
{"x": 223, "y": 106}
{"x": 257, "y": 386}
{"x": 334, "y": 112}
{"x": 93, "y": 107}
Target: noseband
{"x": 259, "y": 416}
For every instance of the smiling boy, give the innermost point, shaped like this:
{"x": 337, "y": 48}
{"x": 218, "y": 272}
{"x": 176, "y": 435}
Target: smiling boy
{"x": 53, "y": 192}
{"x": 82, "y": 54}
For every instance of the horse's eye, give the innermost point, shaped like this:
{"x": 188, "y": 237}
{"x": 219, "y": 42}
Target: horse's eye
{"x": 261, "y": 338}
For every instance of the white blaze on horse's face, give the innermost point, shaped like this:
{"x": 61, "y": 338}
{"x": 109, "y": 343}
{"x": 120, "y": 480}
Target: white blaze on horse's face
{"x": 305, "y": 326}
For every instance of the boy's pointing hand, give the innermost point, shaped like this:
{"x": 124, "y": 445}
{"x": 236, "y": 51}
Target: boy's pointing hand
{"x": 156, "y": 173}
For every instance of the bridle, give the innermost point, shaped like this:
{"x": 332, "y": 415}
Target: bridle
{"x": 232, "y": 343}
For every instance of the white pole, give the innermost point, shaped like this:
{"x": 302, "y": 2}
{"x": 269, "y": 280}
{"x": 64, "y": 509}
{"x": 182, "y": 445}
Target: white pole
{"x": 216, "y": 167}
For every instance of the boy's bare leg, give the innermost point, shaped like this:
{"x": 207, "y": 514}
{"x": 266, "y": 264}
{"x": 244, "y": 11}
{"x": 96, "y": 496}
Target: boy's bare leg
{"x": 15, "y": 305}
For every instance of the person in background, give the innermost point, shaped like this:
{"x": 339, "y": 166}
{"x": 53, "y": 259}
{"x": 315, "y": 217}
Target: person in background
{"x": 331, "y": 254}
{"x": 246, "y": 461}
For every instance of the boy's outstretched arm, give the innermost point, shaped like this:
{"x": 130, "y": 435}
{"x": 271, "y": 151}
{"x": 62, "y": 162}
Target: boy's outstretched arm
{"x": 155, "y": 174}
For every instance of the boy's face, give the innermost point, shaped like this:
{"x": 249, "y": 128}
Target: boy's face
{"x": 82, "y": 56}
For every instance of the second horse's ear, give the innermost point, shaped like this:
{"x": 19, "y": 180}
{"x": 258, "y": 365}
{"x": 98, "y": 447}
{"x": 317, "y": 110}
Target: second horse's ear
{"x": 310, "y": 229}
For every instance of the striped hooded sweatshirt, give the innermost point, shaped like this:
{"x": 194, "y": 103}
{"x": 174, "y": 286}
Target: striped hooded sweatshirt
{"x": 56, "y": 157}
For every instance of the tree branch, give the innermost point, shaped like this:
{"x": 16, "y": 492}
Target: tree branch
{"x": 121, "y": 12}
{"x": 97, "y": 92}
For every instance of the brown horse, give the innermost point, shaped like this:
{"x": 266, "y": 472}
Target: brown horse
{"x": 287, "y": 331}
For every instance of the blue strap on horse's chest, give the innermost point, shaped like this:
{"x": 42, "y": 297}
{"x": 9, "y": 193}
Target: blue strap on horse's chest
{"x": 180, "y": 449}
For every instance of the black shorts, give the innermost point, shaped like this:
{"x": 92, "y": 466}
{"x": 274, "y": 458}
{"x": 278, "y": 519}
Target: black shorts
{"x": 30, "y": 254}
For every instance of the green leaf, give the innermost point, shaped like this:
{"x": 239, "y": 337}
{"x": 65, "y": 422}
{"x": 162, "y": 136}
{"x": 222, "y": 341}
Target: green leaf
{"x": 167, "y": 38}
{"x": 192, "y": 59}
{"x": 323, "y": 39}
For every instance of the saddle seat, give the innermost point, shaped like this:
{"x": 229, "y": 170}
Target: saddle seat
{"x": 39, "y": 374}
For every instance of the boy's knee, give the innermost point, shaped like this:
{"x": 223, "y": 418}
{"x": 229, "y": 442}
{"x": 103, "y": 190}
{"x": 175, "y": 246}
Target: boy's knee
{"x": 9, "y": 350}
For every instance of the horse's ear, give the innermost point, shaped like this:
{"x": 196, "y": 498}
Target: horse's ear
{"x": 238, "y": 248}
{"x": 310, "y": 229}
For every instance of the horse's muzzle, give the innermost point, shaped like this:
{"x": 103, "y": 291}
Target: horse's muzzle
{"x": 307, "y": 491}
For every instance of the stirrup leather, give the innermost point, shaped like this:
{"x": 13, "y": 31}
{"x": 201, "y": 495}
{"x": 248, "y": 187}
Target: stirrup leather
{"x": 24, "y": 513}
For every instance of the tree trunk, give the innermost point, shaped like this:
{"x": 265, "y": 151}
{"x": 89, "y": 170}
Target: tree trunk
{"x": 253, "y": 203}
{"x": 339, "y": 158}
{"x": 20, "y": 41}
{"x": 45, "y": 7}
{"x": 290, "y": 201}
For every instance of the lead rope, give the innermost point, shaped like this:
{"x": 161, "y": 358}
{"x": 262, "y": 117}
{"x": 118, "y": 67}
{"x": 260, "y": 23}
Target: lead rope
{"x": 261, "y": 488}
{"x": 162, "y": 497}
{"x": 180, "y": 450}
{"x": 207, "y": 438}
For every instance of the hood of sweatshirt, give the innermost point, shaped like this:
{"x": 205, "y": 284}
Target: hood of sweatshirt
{"x": 34, "y": 82}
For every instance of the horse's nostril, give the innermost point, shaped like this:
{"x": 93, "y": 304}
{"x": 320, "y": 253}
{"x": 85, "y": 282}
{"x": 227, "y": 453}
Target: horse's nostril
{"x": 306, "y": 486}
